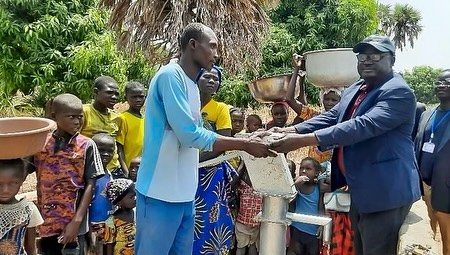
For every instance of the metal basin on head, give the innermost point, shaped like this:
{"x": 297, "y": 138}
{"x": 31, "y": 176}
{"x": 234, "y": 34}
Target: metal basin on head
{"x": 331, "y": 67}
{"x": 271, "y": 89}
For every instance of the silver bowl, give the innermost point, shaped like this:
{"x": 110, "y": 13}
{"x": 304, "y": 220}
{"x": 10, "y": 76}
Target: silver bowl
{"x": 271, "y": 89}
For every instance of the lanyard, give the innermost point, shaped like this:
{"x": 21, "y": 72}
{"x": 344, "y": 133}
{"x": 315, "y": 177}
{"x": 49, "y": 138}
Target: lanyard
{"x": 434, "y": 125}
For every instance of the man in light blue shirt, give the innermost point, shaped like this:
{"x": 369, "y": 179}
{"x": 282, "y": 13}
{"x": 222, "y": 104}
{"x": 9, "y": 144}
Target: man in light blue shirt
{"x": 167, "y": 178}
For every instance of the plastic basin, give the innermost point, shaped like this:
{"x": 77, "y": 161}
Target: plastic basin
{"x": 331, "y": 67}
{"x": 23, "y": 136}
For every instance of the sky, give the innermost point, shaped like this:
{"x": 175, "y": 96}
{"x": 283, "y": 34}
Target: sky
{"x": 433, "y": 45}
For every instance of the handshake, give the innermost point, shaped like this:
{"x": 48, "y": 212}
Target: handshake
{"x": 264, "y": 143}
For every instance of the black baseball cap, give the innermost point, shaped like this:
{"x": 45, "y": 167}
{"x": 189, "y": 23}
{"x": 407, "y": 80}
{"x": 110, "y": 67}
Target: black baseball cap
{"x": 381, "y": 43}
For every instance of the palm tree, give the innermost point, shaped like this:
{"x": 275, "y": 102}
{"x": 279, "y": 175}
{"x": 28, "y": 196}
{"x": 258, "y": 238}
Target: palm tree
{"x": 152, "y": 25}
{"x": 402, "y": 23}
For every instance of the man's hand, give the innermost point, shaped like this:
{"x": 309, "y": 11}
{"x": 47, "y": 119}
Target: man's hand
{"x": 290, "y": 142}
{"x": 70, "y": 233}
{"x": 287, "y": 143}
{"x": 258, "y": 148}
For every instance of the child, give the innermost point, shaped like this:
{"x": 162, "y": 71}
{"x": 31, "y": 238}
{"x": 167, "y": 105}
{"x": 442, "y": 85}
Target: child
{"x": 101, "y": 207}
{"x": 134, "y": 167}
{"x": 237, "y": 120}
{"x": 280, "y": 113}
{"x": 304, "y": 236}
{"x": 247, "y": 229}
{"x": 120, "y": 227}
{"x": 66, "y": 171}
{"x": 131, "y": 130}
{"x": 18, "y": 218}
{"x": 100, "y": 118}
{"x": 254, "y": 122}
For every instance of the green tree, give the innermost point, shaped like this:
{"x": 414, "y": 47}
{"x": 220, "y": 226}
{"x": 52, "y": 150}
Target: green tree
{"x": 302, "y": 25}
{"x": 327, "y": 23}
{"x": 51, "y": 46}
{"x": 401, "y": 22}
{"x": 421, "y": 79}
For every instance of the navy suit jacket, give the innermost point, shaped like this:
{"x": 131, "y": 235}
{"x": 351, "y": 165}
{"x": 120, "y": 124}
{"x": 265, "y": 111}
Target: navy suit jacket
{"x": 381, "y": 170}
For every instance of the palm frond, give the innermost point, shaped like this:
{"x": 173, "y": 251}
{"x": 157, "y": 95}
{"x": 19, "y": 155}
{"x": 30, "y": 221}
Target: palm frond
{"x": 152, "y": 25}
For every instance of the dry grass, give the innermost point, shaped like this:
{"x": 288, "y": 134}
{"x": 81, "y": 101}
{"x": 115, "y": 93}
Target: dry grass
{"x": 152, "y": 25}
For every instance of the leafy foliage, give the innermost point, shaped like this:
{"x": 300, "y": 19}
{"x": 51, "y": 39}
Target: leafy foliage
{"x": 401, "y": 22}
{"x": 421, "y": 79}
{"x": 49, "y": 47}
{"x": 302, "y": 25}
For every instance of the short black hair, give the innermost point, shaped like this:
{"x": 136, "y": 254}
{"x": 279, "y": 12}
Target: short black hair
{"x": 103, "y": 81}
{"x": 103, "y": 137}
{"x": 256, "y": 116}
{"x": 65, "y": 100}
{"x": 18, "y": 165}
{"x": 191, "y": 31}
{"x": 133, "y": 85}
{"x": 317, "y": 166}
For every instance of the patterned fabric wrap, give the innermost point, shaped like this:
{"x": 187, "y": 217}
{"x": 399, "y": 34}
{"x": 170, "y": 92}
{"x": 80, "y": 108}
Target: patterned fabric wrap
{"x": 314, "y": 152}
{"x": 117, "y": 189}
{"x": 60, "y": 177}
{"x": 14, "y": 220}
{"x": 342, "y": 237}
{"x": 250, "y": 205}
{"x": 214, "y": 226}
{"x": 122, "y": 234}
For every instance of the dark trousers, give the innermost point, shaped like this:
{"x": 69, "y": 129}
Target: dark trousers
{"x": 377, "y": 233}
{"x": 50, "y": 246}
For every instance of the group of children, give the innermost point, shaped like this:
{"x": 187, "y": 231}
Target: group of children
{"x": 304, "y": 238}
{"x": 85, "y": 179}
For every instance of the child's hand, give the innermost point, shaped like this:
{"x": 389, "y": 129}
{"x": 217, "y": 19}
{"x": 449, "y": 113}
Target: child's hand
{"x": 297, "y": 61}
{"x": 301, "y": 179}
{"x": 70, "y": 233}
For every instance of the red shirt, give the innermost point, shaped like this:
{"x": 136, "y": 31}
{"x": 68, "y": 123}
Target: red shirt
{"x": 351, "y": 109}
{"x": 250, "y": 205}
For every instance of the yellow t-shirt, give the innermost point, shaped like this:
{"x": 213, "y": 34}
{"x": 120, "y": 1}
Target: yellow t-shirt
{"x": 218, "y": 115}
{"x": 95, "y": 122}
{"x": 131, "y": 135}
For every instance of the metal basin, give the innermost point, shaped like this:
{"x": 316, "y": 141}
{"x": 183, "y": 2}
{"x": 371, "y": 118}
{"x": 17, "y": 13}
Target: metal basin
{"x": 331, "y": 67}
{"x": 271, "y": 89}
{"x": 23, "y": 136}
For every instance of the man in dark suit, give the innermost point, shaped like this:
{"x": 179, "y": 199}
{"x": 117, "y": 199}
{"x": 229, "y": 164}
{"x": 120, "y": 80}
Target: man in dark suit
{"x": 432, "y": 146}
{"x": 370, "y": 131}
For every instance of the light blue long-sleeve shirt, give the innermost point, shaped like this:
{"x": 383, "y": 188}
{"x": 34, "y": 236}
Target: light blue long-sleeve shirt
{"x": 173, "y": 136}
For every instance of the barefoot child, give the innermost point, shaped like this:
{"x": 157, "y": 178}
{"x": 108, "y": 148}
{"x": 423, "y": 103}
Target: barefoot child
{"x": 131, "y": 130}
{"x": 120, "y": 227}
{"x": 66, "y": 171}
{"x": 304, "y": 239}
{"x": 18, "y": 218}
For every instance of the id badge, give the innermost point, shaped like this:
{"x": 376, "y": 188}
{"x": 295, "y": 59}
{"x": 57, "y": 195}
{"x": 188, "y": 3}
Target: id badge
{"x": 428, "y": 147}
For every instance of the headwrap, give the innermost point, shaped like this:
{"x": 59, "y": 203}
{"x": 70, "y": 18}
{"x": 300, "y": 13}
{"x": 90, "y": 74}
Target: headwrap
{"x": 219, "y": 73}
{"x": 118, "y": 189}
{"x": 325, "y": 91}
